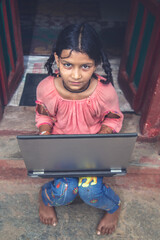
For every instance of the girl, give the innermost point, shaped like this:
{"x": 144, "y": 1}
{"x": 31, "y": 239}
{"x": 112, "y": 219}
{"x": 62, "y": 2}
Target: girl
{"x": 76, "y": 100}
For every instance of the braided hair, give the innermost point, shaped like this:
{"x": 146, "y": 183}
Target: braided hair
{"x": 81, "y": 38}
{"x": 49, "y": 63}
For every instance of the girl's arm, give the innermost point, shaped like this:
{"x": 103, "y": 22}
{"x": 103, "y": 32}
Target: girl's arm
{"x": 105, "y": 130}
{"x": 44, "y": 121}
{"x": 112, "y": 117}
{"x": 45, "y": 129}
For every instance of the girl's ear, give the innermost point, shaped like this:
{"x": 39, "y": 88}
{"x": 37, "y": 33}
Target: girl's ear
{"x": 56, "y": 59}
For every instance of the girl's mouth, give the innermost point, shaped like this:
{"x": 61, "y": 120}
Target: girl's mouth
{"x": 75, "y": 83}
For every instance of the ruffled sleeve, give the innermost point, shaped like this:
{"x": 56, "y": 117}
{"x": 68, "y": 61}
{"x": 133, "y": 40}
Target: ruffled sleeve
{"x": 111, "y": 116}
{"x": 43, "y": 103}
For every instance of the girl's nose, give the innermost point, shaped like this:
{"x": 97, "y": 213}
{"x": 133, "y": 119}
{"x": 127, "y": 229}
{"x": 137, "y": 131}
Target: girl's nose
{"x": 76, "y": 74}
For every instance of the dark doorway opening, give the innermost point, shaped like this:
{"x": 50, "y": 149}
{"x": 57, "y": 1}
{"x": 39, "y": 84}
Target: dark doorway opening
{"x": 41, "y": 21}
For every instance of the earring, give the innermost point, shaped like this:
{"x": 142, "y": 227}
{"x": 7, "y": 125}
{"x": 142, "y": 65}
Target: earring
{"x": 57, "y": 73}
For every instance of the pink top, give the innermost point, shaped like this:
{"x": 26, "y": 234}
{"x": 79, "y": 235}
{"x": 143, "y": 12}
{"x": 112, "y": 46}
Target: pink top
{"x": 83, "y": 116}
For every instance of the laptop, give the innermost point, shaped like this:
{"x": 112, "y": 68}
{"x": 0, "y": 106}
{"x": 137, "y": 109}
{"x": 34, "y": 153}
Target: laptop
{"x": 77, "y": 155}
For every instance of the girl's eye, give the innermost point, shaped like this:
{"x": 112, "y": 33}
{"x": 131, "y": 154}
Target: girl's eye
{"x": 67, "y": 65}
{"x": 85, "y": 66}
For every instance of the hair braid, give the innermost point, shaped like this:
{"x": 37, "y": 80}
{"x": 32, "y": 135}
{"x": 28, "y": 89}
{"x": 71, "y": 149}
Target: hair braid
{"x": 107, "y": 68}
{"x": 49, "y": 63}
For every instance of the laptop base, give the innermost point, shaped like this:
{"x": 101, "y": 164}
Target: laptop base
{"x": 100, "y": 173}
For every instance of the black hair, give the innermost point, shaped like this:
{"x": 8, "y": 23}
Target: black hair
{"x": 81, "y": 38}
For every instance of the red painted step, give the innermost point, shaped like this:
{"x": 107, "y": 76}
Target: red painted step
{"x": 137, "y": 177}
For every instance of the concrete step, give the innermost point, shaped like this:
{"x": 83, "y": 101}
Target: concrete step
{"x": 18, "y": 120}
{"x": 137, "y": 177}
{"x": 144, "y": 169}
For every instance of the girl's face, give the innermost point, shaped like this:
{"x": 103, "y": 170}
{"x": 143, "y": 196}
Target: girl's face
{"x": 76, "y": 69}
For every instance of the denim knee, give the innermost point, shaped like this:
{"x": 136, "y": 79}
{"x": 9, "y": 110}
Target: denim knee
{"x": 87, "y": 191}
{"x": 93, "y": 192}
{"x": 61, "y": 191}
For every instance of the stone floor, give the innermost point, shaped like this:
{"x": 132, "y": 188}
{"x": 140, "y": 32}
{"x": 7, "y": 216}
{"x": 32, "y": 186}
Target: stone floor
{"x": 139, "y": 219}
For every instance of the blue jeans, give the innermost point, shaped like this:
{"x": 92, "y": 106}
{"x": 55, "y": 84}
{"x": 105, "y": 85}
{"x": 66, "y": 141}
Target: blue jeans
{"x": 92, "y": 190}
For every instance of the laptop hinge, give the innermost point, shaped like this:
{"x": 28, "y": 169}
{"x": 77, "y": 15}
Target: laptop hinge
{"x": 116, "y": 170}
{"x": 38, "y": 172}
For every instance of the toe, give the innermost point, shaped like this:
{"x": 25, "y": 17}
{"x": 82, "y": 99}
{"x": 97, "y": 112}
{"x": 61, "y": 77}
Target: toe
{"x": 98, "y": 232}
{"x": 107, "y": 231}
{"x": 46, "y": 221}
{"x": 54, "y": 223}
{"x": 103, "y": 230}
{"x": 111, "y": 230}
{"x": 41, "y": 219}
{"x": 49, "y": 221}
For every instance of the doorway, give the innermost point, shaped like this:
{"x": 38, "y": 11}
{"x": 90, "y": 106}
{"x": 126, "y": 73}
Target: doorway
{"x": 42, "y": 20}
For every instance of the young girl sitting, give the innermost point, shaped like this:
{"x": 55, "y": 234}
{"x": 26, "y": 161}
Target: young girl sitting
{"x": 76, "y": 100}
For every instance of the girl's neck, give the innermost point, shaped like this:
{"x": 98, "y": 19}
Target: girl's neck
{"x": 76, "y": 91}
{"x": 74, "y": 96}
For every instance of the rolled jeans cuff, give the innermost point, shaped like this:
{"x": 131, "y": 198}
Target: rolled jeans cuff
{"x": 115, "y": 208}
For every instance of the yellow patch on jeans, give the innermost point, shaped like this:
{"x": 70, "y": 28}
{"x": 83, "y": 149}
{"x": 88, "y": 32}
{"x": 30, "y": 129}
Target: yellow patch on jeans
{"x": 89, "y": 180}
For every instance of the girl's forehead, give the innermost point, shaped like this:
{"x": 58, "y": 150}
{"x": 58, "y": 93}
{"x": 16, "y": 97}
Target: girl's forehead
{"x": 70, "y": 55}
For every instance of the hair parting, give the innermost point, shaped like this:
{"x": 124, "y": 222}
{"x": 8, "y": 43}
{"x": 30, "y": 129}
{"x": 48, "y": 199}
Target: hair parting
{"x": 80, "y": 38}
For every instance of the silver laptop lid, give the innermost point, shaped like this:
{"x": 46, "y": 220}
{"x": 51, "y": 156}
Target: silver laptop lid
{"x": 72, "y": 153}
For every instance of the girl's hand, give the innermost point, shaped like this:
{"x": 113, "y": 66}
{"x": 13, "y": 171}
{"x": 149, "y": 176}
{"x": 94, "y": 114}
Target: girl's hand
{"x": 105, "y": 130}
{"x": 44, "y": 133}
{"x": 45, "y": 129}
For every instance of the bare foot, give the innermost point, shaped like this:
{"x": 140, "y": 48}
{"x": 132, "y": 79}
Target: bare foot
{"x": 47, "y": 214}
{"x": 108, "y": 223}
